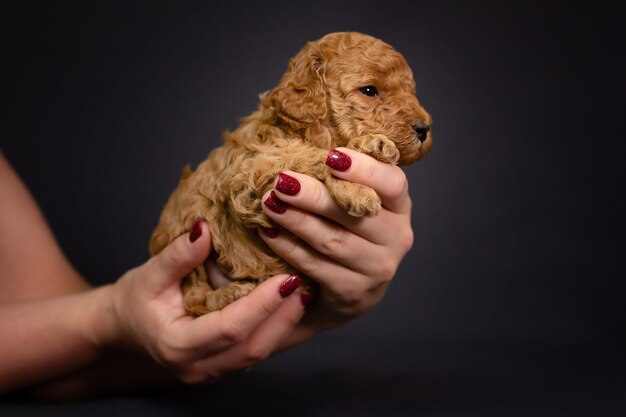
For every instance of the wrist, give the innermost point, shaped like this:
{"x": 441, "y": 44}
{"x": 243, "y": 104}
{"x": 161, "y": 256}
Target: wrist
{"x": 101, "y": 322}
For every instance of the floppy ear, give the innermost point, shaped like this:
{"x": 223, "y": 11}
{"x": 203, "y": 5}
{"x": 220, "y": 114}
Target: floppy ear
{"x": 300, "y": 97}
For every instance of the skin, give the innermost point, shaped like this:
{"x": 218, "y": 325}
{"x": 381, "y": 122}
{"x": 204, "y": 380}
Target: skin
{"x": 61, "y": 338}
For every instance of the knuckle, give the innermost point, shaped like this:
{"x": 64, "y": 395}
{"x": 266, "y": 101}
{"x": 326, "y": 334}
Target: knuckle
{"x": 369, "y": 173}
{"x": 398, "y": 184}
{"x": 350, "y": 304}
{"x": 302, "y": 259}
{"x": 257, "y": 353}
{"x": 318, "y": 195}
{"x": 266, "y": 309}
{"x": 307, "y": 265}
{"x": 351, "y": 296}
{"x": 407, "y": 239}
{"x": 153, "y": 262}
{"x": 175, "y": 252}
{"x": 292, "y": 253}
{"x": 173, "y": 354}
{"x": 171, "y": 357}
{"x": 387, "y": 270}
{"x": 232, "y": 333}
{"x": 334, "y": 242}
{"x": 172, "y": 255}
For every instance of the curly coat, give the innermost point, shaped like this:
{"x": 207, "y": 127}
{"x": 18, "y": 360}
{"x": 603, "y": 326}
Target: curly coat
{"x": 325, "y": 99}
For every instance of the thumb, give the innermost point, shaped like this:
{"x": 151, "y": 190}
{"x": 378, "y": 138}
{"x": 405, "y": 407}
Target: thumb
{"x": 182, "y": 255}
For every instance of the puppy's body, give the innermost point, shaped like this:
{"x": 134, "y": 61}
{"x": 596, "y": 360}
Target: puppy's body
{"x": 325, "y": 99}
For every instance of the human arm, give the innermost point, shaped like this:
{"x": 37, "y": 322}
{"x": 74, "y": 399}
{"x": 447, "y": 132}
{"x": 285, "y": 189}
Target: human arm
{"x": 42, "y": 307}
{"x": 143, "y": 312}
{"x": 52, "y": 322}
{"x": 32, "y": 264}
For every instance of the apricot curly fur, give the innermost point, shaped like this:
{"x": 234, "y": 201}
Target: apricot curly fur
{"x": 317, "y": 105}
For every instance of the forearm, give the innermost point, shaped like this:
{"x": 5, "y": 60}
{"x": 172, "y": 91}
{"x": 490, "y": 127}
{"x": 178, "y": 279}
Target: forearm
{"x": 32, "y": 264}
{"x": 47, "y": 338}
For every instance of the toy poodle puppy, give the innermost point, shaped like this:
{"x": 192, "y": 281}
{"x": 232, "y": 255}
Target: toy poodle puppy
{"x": 345, "y": 89}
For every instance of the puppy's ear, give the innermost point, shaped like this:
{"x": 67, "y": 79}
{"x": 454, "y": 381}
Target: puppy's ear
{"x": 300, "y": 97}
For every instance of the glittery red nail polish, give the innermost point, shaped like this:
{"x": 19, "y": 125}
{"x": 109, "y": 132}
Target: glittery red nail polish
{"x": 274, "y": 204}
{"x": 290, "y": 285}
{"x": 196, "y": 231}
{"x": 287, "y": 184}
{"x": 270, "y": 232}
{"x": 338, "y": 160}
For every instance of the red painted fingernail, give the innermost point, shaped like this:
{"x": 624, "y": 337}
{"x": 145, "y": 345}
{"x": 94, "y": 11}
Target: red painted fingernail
{"x": 306, "y": 298}
{"x": 270, "y": 232}
{"x": 290, "y": 285}
{"x": 196, "y": 231}
{"x": 338, "y": 160}
{"x": 287, "y": 184}
{"x": 274, "y": 204}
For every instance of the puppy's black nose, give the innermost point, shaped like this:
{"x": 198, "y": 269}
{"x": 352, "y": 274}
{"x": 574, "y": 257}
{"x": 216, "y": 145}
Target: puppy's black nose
{"x": 421, "y": 129}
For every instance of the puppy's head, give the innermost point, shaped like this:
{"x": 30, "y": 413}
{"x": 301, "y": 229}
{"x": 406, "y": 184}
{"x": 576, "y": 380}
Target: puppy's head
{"x": 353, "y": 85}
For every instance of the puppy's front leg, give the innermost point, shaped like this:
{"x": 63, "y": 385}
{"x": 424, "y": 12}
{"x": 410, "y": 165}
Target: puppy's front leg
{"x": 377, "y": 146}
{"x": 200, "y": 298}
{"x": 221, "y": 297}
{"x": 358, "y": 200}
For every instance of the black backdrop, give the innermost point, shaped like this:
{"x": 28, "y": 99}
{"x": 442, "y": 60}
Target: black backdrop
{"x": 509, "y": 303}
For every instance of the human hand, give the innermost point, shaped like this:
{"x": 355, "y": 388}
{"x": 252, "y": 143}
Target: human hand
{"x": 352, "y": 259}
{"x": 145, "y": 310}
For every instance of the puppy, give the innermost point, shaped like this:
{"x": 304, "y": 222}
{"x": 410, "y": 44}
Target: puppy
{"x": 345, "y": 89}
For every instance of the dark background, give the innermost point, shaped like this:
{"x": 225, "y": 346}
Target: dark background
{"x": 511, "y": 300}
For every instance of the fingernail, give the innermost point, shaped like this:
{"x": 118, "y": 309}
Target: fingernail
{"x": 338, "y": 160}
{"x": 196, "y": 231}
{"x": 287, "y": 184}
{"x": 270, "y": 232}
{"x": 306, "y": 298}
{"x": 274, "y": 204}
{"x": 290, "y": 285}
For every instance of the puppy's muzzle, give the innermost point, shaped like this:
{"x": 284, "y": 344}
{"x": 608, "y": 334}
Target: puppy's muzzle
{"x": 421, "y": 129}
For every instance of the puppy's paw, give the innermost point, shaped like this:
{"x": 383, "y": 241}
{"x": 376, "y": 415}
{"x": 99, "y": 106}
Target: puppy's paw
{"x": 377, "y": 146}
{"x": 366, "y": 203}
{"x": 358, "y": 200}
{"x": 220, "y": 298}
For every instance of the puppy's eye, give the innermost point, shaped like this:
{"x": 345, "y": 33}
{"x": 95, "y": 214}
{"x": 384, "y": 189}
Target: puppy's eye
{"x": 369, "y": 91}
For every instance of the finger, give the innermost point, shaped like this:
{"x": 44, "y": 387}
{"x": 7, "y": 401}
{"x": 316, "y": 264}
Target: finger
{"x": 320, "y": 268}
{"x": 388, "y": 180}
{"x": 314, "y": 197}
{"x": 342, "y": 289}
{"x": 265, "y": 339}
{"x": 328, "y": 238}
{"x": 311, "y": 196}
{"x": 181, "y": 256}
{"x": 232, "y": 325}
